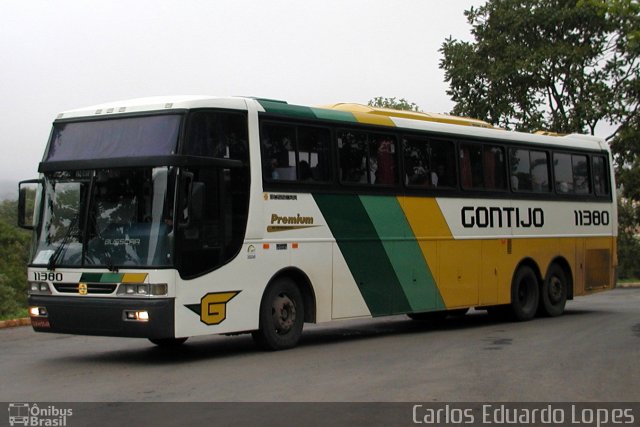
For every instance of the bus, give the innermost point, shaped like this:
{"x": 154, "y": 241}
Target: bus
{"x": 167, "y": 218}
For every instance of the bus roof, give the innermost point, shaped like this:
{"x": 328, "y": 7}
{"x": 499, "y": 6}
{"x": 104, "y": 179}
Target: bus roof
{"x": 341, "y": 112}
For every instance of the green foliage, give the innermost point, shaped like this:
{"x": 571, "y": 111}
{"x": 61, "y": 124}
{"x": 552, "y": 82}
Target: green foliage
{"x": 9, "y": 212}
{"x": 393, "y": 103}
{"x": 14, "y": 252}
{"x": 559, "y": 65}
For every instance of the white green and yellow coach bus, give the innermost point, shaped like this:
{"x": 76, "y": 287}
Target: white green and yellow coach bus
{"x": 166, "y": 218}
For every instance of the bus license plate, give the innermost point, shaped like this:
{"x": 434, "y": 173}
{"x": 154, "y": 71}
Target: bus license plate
{"x": 40, "y": 322}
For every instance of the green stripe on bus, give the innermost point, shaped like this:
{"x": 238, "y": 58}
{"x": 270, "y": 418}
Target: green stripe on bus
{"x": 341, "y": 116}
{"x": 364, "y": 253}
{"x": 111, "y": 278}
{"x": 403, "y": 251}
{"x": 91, "y": 277}
{"x": 101, "y": 277}
{"x": 281, "y": 108}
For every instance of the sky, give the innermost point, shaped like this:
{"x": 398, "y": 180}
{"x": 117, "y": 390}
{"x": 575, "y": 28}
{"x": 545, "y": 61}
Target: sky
{"x": 67, "y": 54}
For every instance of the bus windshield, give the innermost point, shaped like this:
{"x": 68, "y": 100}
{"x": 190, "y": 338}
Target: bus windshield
{"x": 107, "y": 218}
{"x": 114, "y": 138}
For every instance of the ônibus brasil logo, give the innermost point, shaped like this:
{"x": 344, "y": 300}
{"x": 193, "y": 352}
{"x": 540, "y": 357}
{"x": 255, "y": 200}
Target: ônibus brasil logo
{"x": 27, "y": 414}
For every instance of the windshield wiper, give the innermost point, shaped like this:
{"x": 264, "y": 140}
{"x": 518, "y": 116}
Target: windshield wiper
{"x": 53, "y": 259}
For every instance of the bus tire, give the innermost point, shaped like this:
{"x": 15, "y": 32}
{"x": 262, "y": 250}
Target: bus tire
{"x": 525, "y": 294}
{"x": 168, "y": 342}
{"x": 281, "y": 316}
{"x": 554, "y": 292}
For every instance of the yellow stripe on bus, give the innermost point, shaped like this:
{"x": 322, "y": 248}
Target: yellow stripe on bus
{"x": 134, "y": 277}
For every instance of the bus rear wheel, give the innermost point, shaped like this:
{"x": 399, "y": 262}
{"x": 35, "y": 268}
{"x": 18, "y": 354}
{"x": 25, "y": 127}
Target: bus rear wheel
{"x": 281, "y": 316}
{"x": 554, "y": 292}
{"x": 525, "y": 294}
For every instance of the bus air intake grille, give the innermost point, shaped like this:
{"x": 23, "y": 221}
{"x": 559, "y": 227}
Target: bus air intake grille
{"x": 92, "y": 288}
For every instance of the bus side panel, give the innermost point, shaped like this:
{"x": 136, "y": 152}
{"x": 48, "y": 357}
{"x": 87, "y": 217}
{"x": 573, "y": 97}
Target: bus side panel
{"x": 228, "y": 299}
{"x": 347, "y": 300}
{"x": 314, "y": 259}
{"x": 599, "y": 266}
{"x": 382, "y": 254}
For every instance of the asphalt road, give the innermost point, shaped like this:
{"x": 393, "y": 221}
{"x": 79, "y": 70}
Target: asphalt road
{"x": 592, "y": 353}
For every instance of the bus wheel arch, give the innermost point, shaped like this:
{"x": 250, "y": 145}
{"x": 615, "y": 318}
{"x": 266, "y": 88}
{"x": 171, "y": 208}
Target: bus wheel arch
{"x": 525, "y": 291}
{"x": 556, "y": 288}
{"x": 287, "y": 302}
{"x": 306, "y": 288}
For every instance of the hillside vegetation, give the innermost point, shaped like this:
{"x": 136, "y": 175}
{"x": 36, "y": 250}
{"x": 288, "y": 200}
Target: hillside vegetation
{"x": 14, "y": 251}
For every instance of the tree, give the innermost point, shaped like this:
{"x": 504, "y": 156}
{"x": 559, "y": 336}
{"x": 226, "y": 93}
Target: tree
{"x": 562, "y": 66}
{"x": 14, "y": 251}
{"x": 393, "y": 103}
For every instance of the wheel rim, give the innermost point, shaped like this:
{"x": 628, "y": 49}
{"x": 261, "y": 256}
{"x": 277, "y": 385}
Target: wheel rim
{"x": 525, "y": 294}
{"x": 283, "y": 311}
{"x": 556, "y": 290}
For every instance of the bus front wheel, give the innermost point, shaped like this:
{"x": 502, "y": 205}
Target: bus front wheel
{"x": 525, "y": 294}
{"x": 281, "y": 316}
{"x": 554, "y": 292}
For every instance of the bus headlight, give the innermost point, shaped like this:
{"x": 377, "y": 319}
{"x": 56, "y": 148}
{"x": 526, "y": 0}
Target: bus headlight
{"x": 144, "y": 289}
{"x": 39, "y": 288}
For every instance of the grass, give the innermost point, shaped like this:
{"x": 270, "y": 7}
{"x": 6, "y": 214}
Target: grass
{"x": 15, "y": 315}
{"x": 625, "y": 281}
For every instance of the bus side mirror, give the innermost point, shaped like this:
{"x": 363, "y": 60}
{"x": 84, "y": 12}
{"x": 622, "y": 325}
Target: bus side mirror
{"x": 27, "y": 203}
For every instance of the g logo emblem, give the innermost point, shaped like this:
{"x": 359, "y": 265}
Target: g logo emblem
{"x": 82, "y": 288}
{"x": 213, "y": 307}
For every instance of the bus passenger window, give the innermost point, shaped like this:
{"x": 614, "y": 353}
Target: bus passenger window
{"x": 367, "y": 159}
{"x": 600, "y": 177}
{"x": 429, "y": 163}
{"x": 482, "y": 167}
{"x": 529, "y": 171}
{"x": 539, "y": 171}
{"x": 563, "y": 173}
{"x": 382, "y": 152}
{"x": 581, "y": 174}
{"x": 417, "y": 162}
{"x": 354, "y": 167}
{"x": 278, "y": 152}
{"x": 572, "y": 173}
{"x": 314, "y": 159}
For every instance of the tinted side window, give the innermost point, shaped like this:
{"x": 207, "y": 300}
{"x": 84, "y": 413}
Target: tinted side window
{"x": 529, "y": 171}
{"x": 278, "y": 152}
{"x": 367, "y": 158}
{"x": 482, "y": 167}
{"x": 600, "y": 176}
{"x": 429, "y": 163}
{"x": 295, "y": 153}
{"x": 571, "y": 173}
{"x": 314, "y": 159}
{"x": 217, "y": 134}
{"x": 580, "y": 167}
{"x": 563, "y": 173}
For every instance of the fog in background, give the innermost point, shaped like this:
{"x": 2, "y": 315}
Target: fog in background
{"x": 65, "y": 54}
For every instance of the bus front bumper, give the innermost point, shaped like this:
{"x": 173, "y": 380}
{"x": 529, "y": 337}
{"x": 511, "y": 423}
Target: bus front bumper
{"x": 116, "y": 317}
